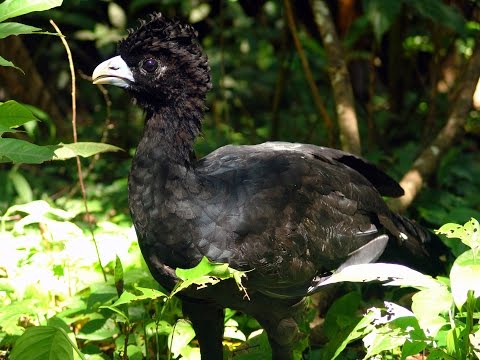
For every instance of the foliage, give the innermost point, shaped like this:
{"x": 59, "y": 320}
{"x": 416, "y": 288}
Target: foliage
{"x": 404, "y": 60}
{"x": 443, "y": 320}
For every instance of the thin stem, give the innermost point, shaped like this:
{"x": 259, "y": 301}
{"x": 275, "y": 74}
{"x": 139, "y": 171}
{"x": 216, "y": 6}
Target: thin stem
{"x": 75, "y": 139}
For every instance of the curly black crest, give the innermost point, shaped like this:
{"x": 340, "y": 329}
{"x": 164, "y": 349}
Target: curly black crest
{"x": 184, "y": 73}
{"x": 159, "y": 33}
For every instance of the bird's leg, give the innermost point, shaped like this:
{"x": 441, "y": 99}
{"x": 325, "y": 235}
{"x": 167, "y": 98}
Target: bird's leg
{"x": 208, "y": 322}
{"x": 282, "y": 327}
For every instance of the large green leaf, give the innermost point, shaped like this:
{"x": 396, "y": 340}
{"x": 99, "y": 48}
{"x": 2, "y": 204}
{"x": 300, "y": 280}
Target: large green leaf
{"x": 465, "y": 276}
{"x": 14, "y": 114}
{"x": 43, "y": 343}
{"x": 181, "y": 336}
{"x": 381, "y": 15}
{"x": 428, "y": 305}
{"x": 20, "y": 151}
{"x": 84, "y": 149}
{"x": 14, "y": 28}
{"x": 13, "y": 8}
{"x": 392, "y": 274}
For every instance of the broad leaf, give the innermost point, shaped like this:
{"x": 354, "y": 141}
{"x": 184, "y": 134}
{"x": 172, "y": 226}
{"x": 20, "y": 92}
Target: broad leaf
{"x": 14, "y": 28}
{"x": 464, "y": 276}
{"x": 13, "y": 8}
{"x": 43, "y": 343}
{"x": 14, "y": 114}
{"x": 469, "y": 233}
{"x": 20, "y": 151}
{"x": 428, "y": 305}
{"x": 98, "y": 330}
{"x": 84, "y": 149}
{"x": 392, "y": 274}
{"x": 181, "y": 336}
{"x": 127, "y": 297}
{"x": 207, "y": 273}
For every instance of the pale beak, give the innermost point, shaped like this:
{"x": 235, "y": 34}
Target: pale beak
{"x": 114, "y": 71}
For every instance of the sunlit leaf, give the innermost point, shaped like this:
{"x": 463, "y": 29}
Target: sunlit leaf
{"x": 469, "y": 233}
{"x": 14, "y": 8}
{"x": 428, "y": 305}
{"x": 127, "y": 297}
{"x": 207, "y": 273}
{"x": 464, "y": 276}
{"x": 84, "y": 149}
{"x": 181, "y": 336}
{"x": 391, "y": 274}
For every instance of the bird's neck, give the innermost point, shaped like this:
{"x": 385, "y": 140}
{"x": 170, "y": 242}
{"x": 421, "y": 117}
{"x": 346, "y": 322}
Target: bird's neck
{"x": 169, "y": 135}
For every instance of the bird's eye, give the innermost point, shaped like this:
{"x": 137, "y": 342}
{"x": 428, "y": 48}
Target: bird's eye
{"x": 150, "y": 65}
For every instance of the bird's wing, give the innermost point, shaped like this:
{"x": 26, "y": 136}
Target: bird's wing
{"x": 292, "y": 212}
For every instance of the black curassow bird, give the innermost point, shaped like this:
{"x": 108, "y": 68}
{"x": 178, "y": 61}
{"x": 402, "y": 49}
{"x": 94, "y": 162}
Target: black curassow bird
{"x": 291, "y": 213}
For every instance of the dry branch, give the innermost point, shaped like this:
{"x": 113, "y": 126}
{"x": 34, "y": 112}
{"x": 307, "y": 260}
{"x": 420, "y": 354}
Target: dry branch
{"x": 339, "y": 78}
{"x": 428, "y": 160}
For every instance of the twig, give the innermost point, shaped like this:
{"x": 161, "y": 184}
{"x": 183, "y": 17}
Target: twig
{"x": 317, "y": 99}
{"x": 75, "y": 139}
{"x": 427, "y": 162}
{"x": 339, "y": 78}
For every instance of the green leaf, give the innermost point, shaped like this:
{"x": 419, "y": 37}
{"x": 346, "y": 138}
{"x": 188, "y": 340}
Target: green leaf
{"x": 469, "y": 233}
{"x": 84, "y": 149}
{"x": 5, "y": 62}
{"x": 14, "y": 28}
{"x": 181, "y": 336}
{"x": 20, "y": 151}
{"x": 147, "y": 294}
{"x": 118, "y": 276}
{"x": 428, "y": 305}
{"x": 13, "y": 114}
{"x": 362, "y": 328}
{"x": 14, "y": 8}
{"x": 381, "y": 15}
{"x": 98, "y": 330}
{"x": 207, "y": 273}
{"x": 393, "y": 274}
{"x": 43, "y": 343}
{"x": 22, "y": 187}
{"x": 464, "y": 276}
{"x": 439, "y": 12}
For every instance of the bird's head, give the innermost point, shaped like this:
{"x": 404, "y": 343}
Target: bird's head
{"x": 161, "y": 64}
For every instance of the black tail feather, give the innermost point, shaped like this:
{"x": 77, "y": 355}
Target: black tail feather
{"x": 416, "y": 246}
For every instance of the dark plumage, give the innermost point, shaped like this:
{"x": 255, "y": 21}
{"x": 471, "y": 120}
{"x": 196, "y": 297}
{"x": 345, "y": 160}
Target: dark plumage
{"x": 292, "y": 213}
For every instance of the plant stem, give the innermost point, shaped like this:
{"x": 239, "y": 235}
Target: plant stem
{"x": 75, "y": 139}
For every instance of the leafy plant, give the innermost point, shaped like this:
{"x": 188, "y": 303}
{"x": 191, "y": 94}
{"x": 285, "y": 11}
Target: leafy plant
{"x": 443, "y": 320}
